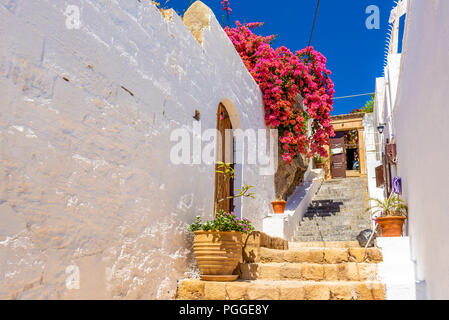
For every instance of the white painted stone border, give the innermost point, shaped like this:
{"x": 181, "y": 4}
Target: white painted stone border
{"x": 397, "y": 271}
{"x": 285, "y": 225}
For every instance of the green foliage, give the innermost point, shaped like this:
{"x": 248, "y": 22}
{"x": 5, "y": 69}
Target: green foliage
{"x": 224, "y": 221}
{"x": 228, "y": 173}
{"x": 318, "y": 159}
{"x": 392, "y": 206}
{"x": 367, "y": 108}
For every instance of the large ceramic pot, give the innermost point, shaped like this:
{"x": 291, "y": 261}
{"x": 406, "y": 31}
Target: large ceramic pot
{"x": 279, "y": 206}
{"x": 391, "y": 226}
{"x": 217, "y": 254}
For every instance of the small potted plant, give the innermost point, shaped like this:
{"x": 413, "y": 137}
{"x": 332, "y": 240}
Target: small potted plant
{"x": 393, "y": 212}
{"x": 279, "y": 205}
{"x": 320, "y": 163}
{"x": 217, "y": 243}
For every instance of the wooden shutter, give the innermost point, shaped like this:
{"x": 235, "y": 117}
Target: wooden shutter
{"x": 225, "y": 154}
{"x": 380, "y": 179}
{"x": 390, "y": 151}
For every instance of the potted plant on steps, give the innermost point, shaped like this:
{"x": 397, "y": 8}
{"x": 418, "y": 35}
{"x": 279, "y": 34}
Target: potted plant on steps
{"x": 393, "y": 212}
{"x": 279, "y": 205}
{"x": 320, "y": 163}
{"x": 217, "y": 244}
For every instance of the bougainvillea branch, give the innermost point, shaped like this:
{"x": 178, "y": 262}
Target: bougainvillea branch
{"x": 283, "y": 77}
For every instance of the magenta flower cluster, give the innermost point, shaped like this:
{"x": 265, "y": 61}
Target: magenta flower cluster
{"x": 283, "y": 77}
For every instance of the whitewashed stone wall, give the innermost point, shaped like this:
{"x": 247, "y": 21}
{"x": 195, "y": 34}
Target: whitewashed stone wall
{"x": 372, "y": 157}
{"x": 415, "y": 110}
{"x": 86, "y": 180}
{"x": 421, "y": 122}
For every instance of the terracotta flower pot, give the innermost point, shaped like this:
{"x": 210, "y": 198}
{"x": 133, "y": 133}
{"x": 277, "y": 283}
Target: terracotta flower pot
{"x": 391, "y": 226}
{"x": 320, "y": 165}
{"x": 217, "y": 254}
{"x": 279, "y": 206}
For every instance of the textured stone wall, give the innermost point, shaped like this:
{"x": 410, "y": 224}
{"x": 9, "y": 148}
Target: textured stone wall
{"x": 86, "y": 114}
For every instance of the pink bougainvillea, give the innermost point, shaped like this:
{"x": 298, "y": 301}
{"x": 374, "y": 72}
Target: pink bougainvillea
{"x": 226, "y": 6}
{"x": 283, "y": 77}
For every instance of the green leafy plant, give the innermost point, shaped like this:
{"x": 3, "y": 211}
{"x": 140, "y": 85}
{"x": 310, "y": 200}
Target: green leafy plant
{"x": 228, "y": 173}
{"x": 367, "y": 108}
{"x": 391, "y": 206}
{"x": 318, "y": 159}
{"x": 224, "y": 221}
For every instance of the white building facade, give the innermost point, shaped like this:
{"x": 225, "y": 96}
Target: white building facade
{"x": 411, "y": 109}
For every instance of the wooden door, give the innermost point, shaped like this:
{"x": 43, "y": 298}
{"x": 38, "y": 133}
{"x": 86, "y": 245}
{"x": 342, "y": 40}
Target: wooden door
{"x": 338, "y": 156}
{"x": 225, "y": 153}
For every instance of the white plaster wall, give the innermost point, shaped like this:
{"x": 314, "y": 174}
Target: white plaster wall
{"x": 396, "y": 270}
{"x": 371, "y": 156}
{"x": 421, "y": 122}
{"x": 379, "y": 101}
{"x": 86, "y": 180}
{"x": 392, "y": 71}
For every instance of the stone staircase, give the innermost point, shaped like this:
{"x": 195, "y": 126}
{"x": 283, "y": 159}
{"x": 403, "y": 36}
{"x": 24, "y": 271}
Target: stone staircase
{"x": 306, "y": 271}
{"x": 337, "y": 212}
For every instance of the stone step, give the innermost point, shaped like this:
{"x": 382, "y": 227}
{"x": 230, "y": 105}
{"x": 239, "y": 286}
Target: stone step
{"x": 327, "y": 238}
{"x": 341, "y": 190}
{"x": 344, "y": 197}
{"x": 331, "y": 231}
{"x": 318, "y": 237}
{"x": 340, "y": 217}
{"x": 333, "y": 207}
{"x": 333, "y": 227}
{"x": 321, "y": 244}
{"x": 332, "y": 220}
{"x": 337, "y": 212}
{"x": 192, "y": 289}
{"x": 309, "y": 271}
{"x": 330, "y": 213}
{"x": 346, "y": 235}
{"x": 319, "y": 255}
{"x": 329, "y": 226}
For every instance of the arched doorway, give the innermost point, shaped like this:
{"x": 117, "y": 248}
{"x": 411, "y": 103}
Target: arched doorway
{"x": 224, "y": 188}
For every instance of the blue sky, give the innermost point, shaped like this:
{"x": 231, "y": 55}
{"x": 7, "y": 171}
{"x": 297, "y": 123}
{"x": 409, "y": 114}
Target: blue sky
{"x": 354, "y": 54}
